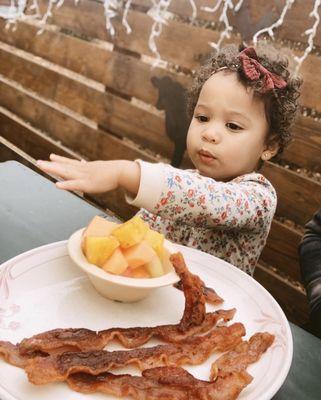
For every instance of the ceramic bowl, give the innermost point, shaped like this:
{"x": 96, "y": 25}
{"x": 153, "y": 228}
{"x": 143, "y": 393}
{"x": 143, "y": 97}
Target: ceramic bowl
{"x": 116, "y": 287}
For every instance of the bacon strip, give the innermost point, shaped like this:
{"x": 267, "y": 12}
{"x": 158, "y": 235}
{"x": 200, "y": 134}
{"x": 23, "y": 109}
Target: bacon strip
{"x": 193, "y": 350}
{"x": 194, "y": 312}
{"x": 10, "y": 353}
{"x": 162, "y": 383}
{"x": 60, "y": 340}
{"x": 210, "y": 295}
{"x": 245, "y": 353}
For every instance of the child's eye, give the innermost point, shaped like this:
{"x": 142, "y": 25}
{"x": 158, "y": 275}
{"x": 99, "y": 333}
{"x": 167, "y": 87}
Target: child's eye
{"x": 233, "y": 127}
{"x": 201, "y": 118}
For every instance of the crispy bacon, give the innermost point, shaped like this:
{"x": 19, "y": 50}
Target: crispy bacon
{"x": 194, "y": 312}
{"x": 194, "y": 350}
{"x": 245, "y": 353}
{"x": 161, "y": 383}
{"x": 59, "y": 340}
{"x": 211, "y": 297}
{"x": 10, "y": 353}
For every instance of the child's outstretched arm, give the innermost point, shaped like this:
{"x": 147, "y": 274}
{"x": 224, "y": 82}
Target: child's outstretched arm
{"x": 93, "y": 176}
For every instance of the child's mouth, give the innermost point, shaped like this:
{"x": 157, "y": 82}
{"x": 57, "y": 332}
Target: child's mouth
{"x": 206, "y": 157}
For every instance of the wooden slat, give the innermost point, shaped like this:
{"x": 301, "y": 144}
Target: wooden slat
{"x": 298, "y": 197}
{"x": 282, "y": 250}
{"x": 305, "y": 149}
{"x": 292, "y": 300}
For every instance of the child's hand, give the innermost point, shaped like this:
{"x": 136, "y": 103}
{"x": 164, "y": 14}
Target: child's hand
{"x": 94, "y": 176}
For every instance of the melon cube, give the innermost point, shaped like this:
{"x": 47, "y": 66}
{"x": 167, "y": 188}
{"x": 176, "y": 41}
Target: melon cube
{"x": 116, "y": 263}
{"x": 166, "y": 262}
{"x": 98, "y": 227}
{"x": 138, "y": 273}
{"x": 155, "y": 267}
{"x": 131, "y": 232}
{"x": 139, "y": 254}
{"x": 155, "y": 240}
{"x": 99, "y": 249}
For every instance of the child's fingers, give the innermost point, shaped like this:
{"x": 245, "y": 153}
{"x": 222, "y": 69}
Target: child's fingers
{"x": 65, "y": 171}
{"x": 75, "y": 184}
{"x": 65, "y": 160}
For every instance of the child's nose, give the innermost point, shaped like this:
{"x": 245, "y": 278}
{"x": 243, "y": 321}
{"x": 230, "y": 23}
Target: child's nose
{"x": 211, "y": 135}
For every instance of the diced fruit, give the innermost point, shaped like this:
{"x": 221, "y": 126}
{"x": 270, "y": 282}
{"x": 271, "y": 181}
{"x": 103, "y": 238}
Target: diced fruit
{"x": 99, "y": 249}
{"x": 98, "y": 227}
{"x": 139, "y": 273}
{"x": 166, "y": 263}
{"x": 155, "y": 240}
{"x": 116, "y": 263}
{"x": 139, "y": 254}
{"x": 131, "y": 232}
{"x": 155, "y": 268}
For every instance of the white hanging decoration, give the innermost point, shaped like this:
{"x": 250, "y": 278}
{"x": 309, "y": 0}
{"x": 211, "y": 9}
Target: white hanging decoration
{"x": 276, "y": 24}
{"x": 160, "y": 15}
{"x": 111, "y": 8}
{"x": 311, "y": 34}
{"x": 194, "y": 10}
{"x": 227, "y": 5}
{"x": 124, "y": 21}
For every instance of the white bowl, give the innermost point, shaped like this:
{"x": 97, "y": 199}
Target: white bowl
{"x": 116, "y": 287}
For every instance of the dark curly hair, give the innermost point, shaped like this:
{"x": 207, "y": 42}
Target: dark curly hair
{"x": 281, "y": 105}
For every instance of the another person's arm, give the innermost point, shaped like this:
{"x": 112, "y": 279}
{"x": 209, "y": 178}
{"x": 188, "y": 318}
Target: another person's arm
{"x": 310, "y": 264}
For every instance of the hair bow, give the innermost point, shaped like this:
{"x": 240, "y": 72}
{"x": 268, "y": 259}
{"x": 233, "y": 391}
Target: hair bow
{"x": 253, "y": 70}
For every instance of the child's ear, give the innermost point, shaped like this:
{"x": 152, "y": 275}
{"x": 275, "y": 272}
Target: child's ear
{"x": 271, "y": 149}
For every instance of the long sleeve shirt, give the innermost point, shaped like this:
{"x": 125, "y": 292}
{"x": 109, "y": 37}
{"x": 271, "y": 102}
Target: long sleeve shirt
{"x": 230, "y": 220}
{"x": 310, "y": 264}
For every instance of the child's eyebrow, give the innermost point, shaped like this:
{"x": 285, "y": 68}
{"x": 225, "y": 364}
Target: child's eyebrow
{"x": 238, "y": 114}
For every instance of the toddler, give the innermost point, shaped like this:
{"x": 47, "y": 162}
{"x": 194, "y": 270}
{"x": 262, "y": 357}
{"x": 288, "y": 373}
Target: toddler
{"x": 241, "y": 107}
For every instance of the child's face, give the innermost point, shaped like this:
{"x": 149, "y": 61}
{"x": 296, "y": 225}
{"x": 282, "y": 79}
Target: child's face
{"x": 228, "y": 131}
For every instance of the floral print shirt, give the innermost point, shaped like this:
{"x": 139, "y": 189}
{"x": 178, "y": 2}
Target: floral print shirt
{"x": 230, "y": 220}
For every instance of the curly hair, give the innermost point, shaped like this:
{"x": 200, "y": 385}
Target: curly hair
{"x": 281, "y": 105}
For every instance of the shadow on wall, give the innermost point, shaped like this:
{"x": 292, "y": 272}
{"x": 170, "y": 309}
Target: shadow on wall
{"x": 172, "y": 99}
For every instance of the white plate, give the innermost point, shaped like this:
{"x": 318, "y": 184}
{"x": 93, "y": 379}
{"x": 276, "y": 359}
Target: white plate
{"x": 42, "y": 289}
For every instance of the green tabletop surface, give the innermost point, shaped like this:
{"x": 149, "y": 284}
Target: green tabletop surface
{"x": 33, "y": 213}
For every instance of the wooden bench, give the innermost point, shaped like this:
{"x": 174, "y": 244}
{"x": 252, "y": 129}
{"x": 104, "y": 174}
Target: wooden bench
{"x": 77, "y": 91}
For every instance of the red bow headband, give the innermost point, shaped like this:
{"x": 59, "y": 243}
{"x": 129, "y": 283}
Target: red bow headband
{"x": 253, "y": 70}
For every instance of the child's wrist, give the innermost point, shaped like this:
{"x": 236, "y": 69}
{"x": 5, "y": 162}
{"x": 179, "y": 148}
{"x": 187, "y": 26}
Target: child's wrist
{"x": 129, "y": 176}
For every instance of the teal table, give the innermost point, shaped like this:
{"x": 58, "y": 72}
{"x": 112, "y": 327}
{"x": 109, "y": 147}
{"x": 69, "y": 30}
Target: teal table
{"x": 33, "y": 213}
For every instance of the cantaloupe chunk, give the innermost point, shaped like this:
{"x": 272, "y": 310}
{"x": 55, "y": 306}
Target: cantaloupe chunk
{"x": 139, "y": 254}
{"x": 155, "y": 267}
{"x": 97, "y": 227}
{"x": 139, "y": 273}
{"x": 99, "y": 249}
{"x": 131, "y": 232}
{"x": 116, "y": 263}
{"x": 155, "y": 240}
{"x": 166, "y": 262}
